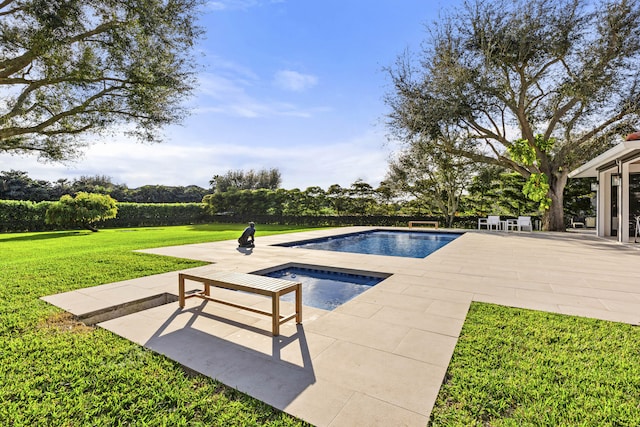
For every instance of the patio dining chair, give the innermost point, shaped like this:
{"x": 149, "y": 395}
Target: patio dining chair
{"x": 577, "y": 222}
{"x": 524, "y": 222}
{"x": 493, "y": 221}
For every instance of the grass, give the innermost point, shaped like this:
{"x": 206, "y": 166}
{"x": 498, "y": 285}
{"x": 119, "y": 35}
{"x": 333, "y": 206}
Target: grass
{"x": 511, "y": 367}
{"x": 515, "y": 367}
{"x": 55, "y": 371}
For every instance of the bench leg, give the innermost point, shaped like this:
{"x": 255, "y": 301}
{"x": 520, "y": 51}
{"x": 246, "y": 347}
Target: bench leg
{"x": 299, "y": 304}
{"x": 275, "y": 314}
{"x": 181, "y": 290}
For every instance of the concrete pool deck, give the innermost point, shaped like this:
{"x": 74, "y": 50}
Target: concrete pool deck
{"x": 380, "y": 358}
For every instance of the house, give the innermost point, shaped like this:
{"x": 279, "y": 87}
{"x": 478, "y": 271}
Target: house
{"x": 618, "y": 188}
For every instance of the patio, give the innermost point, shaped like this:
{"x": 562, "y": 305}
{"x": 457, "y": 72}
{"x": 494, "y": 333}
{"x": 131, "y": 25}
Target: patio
{"x": 380, "y": 358}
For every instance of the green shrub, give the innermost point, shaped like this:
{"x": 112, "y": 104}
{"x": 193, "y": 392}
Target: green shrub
{"x": 84, "y": 210}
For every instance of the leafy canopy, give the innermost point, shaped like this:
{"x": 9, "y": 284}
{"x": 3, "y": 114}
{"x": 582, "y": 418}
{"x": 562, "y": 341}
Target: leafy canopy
{"x": 537, "y": 186}
{"x": 68, "y": 67}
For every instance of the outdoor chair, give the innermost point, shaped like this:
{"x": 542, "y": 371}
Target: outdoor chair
{"x": 524, "y": 222}
{"x": 577, "y": 222}
{"x": 512, "y": 224}
{"x": 493, "y": 221}
{"x": 482, "y": 222}
{"x": 490, "y": 223}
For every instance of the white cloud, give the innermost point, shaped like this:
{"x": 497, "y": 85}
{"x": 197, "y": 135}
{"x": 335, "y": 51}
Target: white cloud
{"x": 133, "y": 164}
{"x": 338, "y": 162}
{"x": 294, "y": 81}
{"x": 220, "y": 94}
{"x": 232, "y": 69}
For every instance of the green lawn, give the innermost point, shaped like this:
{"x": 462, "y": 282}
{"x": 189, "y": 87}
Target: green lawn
{"x": 511, "y": 367}
{"x": 514, "y": 367}
{"x": 55, "y": 371}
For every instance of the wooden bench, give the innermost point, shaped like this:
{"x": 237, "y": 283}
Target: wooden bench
{"x": 434, "y": 223}
{"x": 252, "y": 283}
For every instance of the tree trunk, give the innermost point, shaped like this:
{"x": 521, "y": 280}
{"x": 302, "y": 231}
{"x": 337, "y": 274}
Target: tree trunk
{"x": 91, "y": 227}
{"x": 553, "y": 219}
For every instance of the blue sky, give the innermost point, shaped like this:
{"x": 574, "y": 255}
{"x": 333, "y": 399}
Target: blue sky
{"x": 296, "y": 85}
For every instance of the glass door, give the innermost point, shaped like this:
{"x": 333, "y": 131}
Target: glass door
{"x": 634, "y": 202}
{"x": 615, "y": 182}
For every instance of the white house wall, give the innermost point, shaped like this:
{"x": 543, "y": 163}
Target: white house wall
{"x": 603, "y": 203}
{"x": 603, "y": 197}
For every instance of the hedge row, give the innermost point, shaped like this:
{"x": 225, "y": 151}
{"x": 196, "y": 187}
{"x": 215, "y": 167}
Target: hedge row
{"x": 18, "y": 216}
{"x": 346, "y": 220}
{"x": 154, "y": 214}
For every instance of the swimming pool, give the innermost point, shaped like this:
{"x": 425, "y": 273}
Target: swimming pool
{"x": 325, "y": 289}
{"x": 411, "y": 244}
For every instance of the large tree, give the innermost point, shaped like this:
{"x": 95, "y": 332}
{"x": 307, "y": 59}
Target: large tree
{"x": 541, "y": 86}
{"x": 427, "y": 171}
{"x": 68, "y": 67}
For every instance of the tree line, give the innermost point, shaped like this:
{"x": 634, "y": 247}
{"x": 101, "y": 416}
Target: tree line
{"x": 492, "y": 190}
{"x": 17, "y": 185}
{"x": 447, "y": 191}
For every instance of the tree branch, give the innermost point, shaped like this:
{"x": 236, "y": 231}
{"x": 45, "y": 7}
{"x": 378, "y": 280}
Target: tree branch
{"x": 41, "y": 127}
{"x": 11, "y": 66}
{"x": 10, "y": 11}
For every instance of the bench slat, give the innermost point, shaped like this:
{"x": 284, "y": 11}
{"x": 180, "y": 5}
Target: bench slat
{"x": 249, "y": 280}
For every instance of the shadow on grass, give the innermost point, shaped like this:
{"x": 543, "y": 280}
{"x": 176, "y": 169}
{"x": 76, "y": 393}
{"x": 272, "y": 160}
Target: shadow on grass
{"x": 44, "y": 236}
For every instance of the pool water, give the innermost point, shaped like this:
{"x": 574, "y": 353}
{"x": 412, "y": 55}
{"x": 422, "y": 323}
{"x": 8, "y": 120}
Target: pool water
{"x": 325, "y": 289}
{"x": 411, "y": 244}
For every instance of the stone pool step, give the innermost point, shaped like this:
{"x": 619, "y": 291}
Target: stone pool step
{"x": 124, "y": 309}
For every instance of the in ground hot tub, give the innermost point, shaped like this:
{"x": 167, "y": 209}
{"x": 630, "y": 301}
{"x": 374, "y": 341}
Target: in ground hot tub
{"x": 325, "y": 287}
